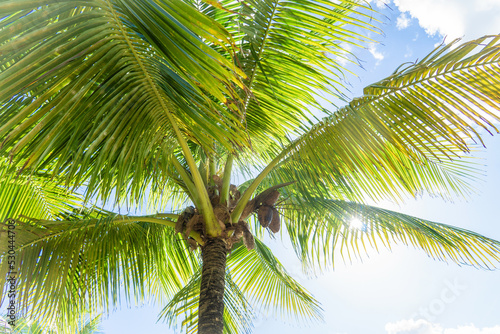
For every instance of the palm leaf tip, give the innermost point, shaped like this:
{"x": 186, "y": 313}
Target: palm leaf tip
{"x": 334, "y": 230}
{"x": 288, "y": 50}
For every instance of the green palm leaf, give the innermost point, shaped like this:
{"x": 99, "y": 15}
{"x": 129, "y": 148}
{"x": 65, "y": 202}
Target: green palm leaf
{"x": 87, "y": 326}
{"x": 36, "y": 197}
{"x": 265, "y": 282}
{"x": 91, "y": 326}
{"x": 62, "y": 274}
{"x": 319, "y": 228}
{"x": 116, "y": 69}
{"x": 289, "y": 51}
{"x": 408, "y": 132}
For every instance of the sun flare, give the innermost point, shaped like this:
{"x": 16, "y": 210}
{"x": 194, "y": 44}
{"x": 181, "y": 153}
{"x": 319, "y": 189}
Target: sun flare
{"x": 356, "y": 223}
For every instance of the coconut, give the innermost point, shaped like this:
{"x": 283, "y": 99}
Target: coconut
{"x": 275, "y": 222}
{"x": 271, "y": 199}
{"x": 265, "y": 215}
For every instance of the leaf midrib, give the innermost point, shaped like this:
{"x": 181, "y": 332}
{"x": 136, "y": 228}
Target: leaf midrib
{"x": 137, "y": 58}
{"x": 261, "y": 49}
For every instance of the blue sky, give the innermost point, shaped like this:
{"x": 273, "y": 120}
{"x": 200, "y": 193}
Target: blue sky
{"x": 400, "y": 291}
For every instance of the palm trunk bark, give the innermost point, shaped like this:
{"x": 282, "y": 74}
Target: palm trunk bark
{"x": 211, "y": 307}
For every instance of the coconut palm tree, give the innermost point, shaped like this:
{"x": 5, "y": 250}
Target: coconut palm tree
{"x": 166, "y": 103}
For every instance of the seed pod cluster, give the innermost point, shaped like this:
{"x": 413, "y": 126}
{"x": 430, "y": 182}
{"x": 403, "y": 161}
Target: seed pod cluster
{"x": 263, "y": 204}
{"x": 195, "y": 223}
{"x": 269, "y": 217}
{"x": 189, "y": 220}
{"x": 271, "y": 198}
{"x": 217, "y": 180}
{"x": 238, "y": 233}
{"x": 193, "y": 245}
{"x": 234, "y": 196}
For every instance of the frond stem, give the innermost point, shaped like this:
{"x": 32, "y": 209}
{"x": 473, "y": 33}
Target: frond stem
{"x": 119, "y": 218}
{"x": 226, "y": 180}
{"x": 193, "y": 193}
{"x": 245, "y": 198}
{"x": 205, "y": 206}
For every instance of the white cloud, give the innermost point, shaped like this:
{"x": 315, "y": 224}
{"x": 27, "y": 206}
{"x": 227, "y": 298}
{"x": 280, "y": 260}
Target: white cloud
{"x": 380, "y": 3}
{"x": 376, "y": 54}
{"x": 424, "y": 327}
{"x": 412, "y": 327}
{"x": 403, "y": 21}
{"x": 454, "y": 18}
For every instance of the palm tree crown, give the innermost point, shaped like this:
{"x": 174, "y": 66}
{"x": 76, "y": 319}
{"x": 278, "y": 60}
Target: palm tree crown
{"x": 163, "y": 102}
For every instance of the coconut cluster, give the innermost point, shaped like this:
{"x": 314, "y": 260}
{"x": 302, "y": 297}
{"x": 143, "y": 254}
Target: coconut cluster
{"x": 264, "y": 204}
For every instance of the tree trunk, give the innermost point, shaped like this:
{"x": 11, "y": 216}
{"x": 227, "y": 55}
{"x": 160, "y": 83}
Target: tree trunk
{"x": 211, "y": 307}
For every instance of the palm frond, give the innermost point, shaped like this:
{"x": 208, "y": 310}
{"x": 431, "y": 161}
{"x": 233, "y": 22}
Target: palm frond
{"x": 377, "y": 173}
{"x": 290, "y": 52}
{"x": 36, "y": 197}
{"x": 267, "y": 285}
{"x": 409, "y": 132}
{"x": 115, "y": 69}
{"x": 91, "y": 326}
{"x": 61, "y": 272}
{"x": 319, "y": 228}
{"x": 27, "y": 326}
